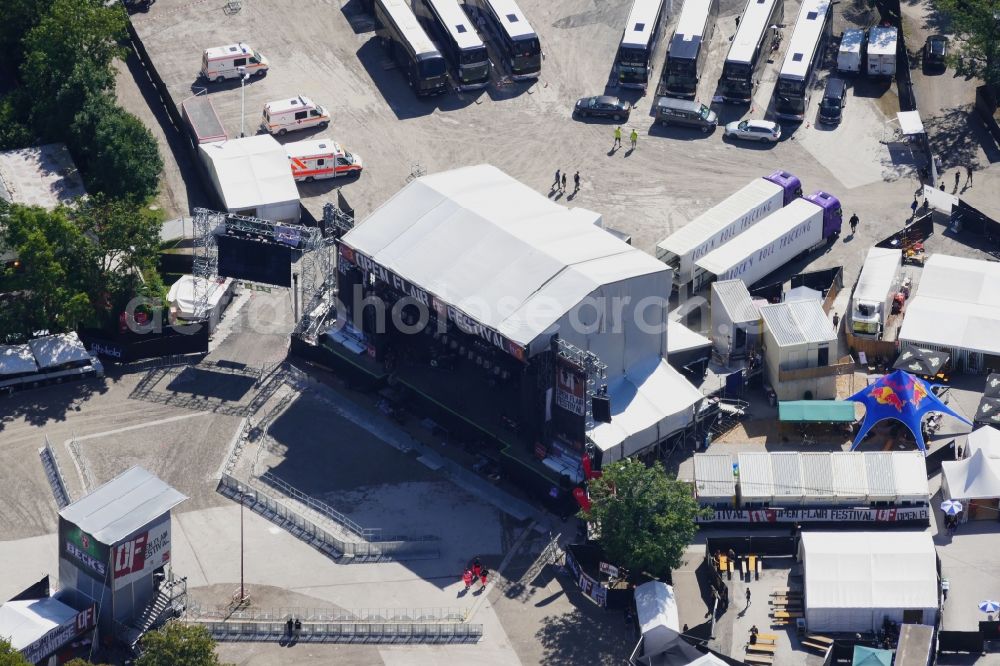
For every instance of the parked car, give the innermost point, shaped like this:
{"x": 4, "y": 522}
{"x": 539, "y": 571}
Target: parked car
{"x": 935, "y": 52}
{"x": 831, "y": 107}
{"x": 670, "y": 111}
{"x": 602, "y": 106}
{"x": 754, "y": 130}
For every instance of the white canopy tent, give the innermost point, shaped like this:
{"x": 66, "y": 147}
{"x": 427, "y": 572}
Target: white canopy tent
{"x": 656, "y": 611}
{"x": 976, "y": 477}
{"x": 252, "y": 177}
{"x": 24, "y": 622}
{"x": 853, "y": 580}
{"x": 955, "y": 307}
{"x": 986, "y": 439}
{"x": 648, "y": 403}
{"x": 195, "y": 298}
{"x": 16, "y": 360}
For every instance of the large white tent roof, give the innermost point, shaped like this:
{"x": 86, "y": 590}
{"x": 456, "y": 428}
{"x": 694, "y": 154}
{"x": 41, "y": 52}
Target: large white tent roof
{"x": 650, "y": 401}
{"x": 869, "y": 570}
{"x": 681, "y": 338}
{"x": 494, "y": 248}
{"x": 54, "y": 350}
{"x": 16, "y": 360}
{"x": 956, "y": 305}
{"x": 251, "y": 172}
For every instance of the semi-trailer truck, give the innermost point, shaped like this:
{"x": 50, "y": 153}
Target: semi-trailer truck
{"x": 725, "y": 221}
{"x": 799, "y": 227}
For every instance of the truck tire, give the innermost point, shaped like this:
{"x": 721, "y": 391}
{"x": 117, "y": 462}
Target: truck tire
{"x": 282, "y": 132}
{"x": 220, "y": 79}
{"x": 310, "y": 179}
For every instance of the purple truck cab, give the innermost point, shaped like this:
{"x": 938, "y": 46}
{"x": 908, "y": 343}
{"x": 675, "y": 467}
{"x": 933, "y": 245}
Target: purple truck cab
{"x": 789, "y": 183}
{"x": 833, "y": 216}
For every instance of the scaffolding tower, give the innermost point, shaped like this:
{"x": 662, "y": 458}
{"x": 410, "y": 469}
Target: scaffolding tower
{"x": 596, "y": 372}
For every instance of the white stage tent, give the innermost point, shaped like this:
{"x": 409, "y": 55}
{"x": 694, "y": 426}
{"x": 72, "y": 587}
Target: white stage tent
{"x": 498, "y": 257}
{"x": 956, "y": 309}
{"x": 853, "y": 580}
{"x": 252, "y": 177}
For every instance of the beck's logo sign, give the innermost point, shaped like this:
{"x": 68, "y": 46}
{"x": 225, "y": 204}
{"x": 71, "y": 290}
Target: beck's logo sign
{"x": 131, "y": 555}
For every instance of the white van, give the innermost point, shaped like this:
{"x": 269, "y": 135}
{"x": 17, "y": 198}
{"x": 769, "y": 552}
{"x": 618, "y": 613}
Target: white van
{"x": 321, "y": 158}
{"x": 224, "y": 62}
{"x": 288, "y": 115}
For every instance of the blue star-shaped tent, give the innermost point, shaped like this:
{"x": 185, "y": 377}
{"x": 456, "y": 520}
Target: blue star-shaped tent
{"x": 900, "y": 396}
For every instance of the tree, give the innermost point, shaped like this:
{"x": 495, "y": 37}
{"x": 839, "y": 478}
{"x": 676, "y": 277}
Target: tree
{"x": 19, "y": 16}
{"x": 178, "y": 644}
{"x": 644, "y": 517}
{"x": 11, "y": 657}
{"x": 82, "y": 662}
{"x": 118, "y": 153}
{"x": 977, "y": 23}
{"x": 58, "y": 269}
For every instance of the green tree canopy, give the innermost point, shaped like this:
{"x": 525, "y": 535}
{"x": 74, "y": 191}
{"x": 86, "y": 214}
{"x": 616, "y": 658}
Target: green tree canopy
{"x": 178, "y": 644}
{"x": 977, "y": 23}
{"x": 19, "y": 17}
{"x": 11, "y": 657}
{"x": 123, "y": 158}
{"x": 645, "y": 518}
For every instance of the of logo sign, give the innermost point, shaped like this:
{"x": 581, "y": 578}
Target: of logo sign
{"x": 131, "y": 556}
{"x": 570, "y": 388}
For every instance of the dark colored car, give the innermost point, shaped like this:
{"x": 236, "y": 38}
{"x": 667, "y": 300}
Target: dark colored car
{"x": 935, "y": 52}
{"x": 602, "y": 106}
{"x": 831, "y": 107}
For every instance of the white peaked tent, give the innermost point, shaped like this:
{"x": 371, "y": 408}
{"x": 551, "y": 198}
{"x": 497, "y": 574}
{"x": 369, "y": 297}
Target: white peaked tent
{"x": 853, "y": 580}
{"x": 977, "y": 476}
{"x": 656, "y": 608}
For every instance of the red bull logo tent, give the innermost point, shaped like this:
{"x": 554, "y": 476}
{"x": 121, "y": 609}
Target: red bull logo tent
{"x": 899, "y": 396}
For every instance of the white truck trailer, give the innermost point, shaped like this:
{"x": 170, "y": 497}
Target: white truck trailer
{"x": 849, "y": 52}
{"x": 797, "y": 228}
{"x": 872, "y": 300}
{"x": 882, "y": 52}
{"x": 724, "y": 221}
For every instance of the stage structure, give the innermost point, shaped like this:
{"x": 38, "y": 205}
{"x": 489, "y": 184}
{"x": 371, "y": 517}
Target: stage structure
{"x": 286, "y": 255}
{"x": 519, "y": 322}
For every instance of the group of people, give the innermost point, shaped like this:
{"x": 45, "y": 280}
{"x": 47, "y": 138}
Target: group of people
{"x": 293, "y": 628}
{"x": 476, "y": 571}
{"x": 633, "y": 137}
{"x": 559, "y": 184}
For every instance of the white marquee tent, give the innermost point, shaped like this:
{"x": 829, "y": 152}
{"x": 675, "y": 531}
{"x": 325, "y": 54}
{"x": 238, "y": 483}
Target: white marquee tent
{"x": 252, "y": 177}
{"x": 853, "y": 580}
{"x": 956, "y": 308}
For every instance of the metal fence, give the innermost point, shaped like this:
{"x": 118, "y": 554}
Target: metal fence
{"x": 345, "y": 632}
{"x": 318, "y": 536}
{"x": 55, "y": 476}
{"x": 441, "y": 615}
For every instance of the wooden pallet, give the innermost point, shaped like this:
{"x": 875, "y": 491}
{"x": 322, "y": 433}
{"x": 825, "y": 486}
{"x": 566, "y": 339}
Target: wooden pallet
{"x": 815, "y": 646}
{"x": 750, "y": 658}
{"x": 816, "y": 638}
{"x": 761, "y": 647}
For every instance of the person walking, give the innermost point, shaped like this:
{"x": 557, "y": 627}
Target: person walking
{"x": 618, "y": 138}
{"x": 854, "y": 223}
{"x": 634, "y": 138}
{"x": 576, "y": 182}
{"x": 555, "y": 183}
{"x": 913, "y": 207}
{"x": 467, "y": 579}
{"x": 836, "y": 320}
{"x": 564, "y": 182}
{"x": 298, "y": 628}
{"x": 748, "y": 597}
{"x": 477, "y": 568}
{"x": 958, "y": 177}
{"x": 482, "y": 578}
{"x": 289, "y": 627}
{"x": 968, "y": 175}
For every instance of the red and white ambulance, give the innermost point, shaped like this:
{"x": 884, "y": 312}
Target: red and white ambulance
{"x": 321, "y": 158}
{"x": 225, "y": 62}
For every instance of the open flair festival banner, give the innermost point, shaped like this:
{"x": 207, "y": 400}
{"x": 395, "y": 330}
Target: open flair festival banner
{"x": 776, "y": 516}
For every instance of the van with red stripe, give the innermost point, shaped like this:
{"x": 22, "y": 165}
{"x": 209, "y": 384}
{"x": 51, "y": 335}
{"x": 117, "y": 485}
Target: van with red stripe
{"x": 321, "y": 158}
{"x": 224, "y": 62}
{"x": 297, "y": 113}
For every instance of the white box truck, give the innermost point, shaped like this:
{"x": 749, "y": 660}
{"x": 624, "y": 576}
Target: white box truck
{"x": 882, "y": 52}
{"x": 849, "y": 52}
{"x": 724, "y": 221}
{"x": 797, "y": 228}
{"x": 872, "y": 300}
